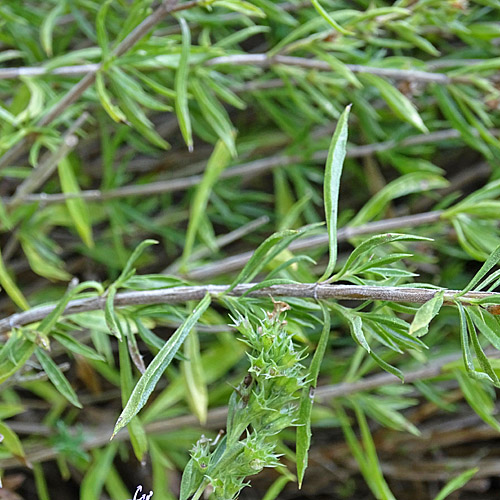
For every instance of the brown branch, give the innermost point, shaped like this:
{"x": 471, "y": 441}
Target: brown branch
{"x": 197, "y": 292}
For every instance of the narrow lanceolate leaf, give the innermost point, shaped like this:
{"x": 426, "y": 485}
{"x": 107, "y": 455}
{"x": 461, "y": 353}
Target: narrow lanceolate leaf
{"x": 367, "y": 246}
{"x": 307, "y": 398}
{"x": 387, "y": 367}
{"x": 113, "y": 111}
{"x": 218, "y": 161}
{"x": 102, "y": 34}
{"x": 215, "y": 114}
{"x": 194, "y": 378}
{"x": 77, "y": 207}
{"x": 456, "y": 483}
{"x": 98, "y": 472}
{"x": 56, "y": 377}
{"x": 481, "y": 357}
{"x": 10, "y": 287}
{"x": 47, "y": 28}
{"x": 11, "y": 441}
{"x": 324, "y": 14}
{"x": 380, "y": 487}
{"x": 154, "y": 371}
{"x": 128, "y": 269}
{"x": 464, "y": 338}
{"x": 400, "y": 104}
{"x": 414, "y": 182}
{"x": 356, "y": 326}
{"x": 479, "y": 399}
{"x": 181, "y": 78}
{"x": 491, "y": 261}
{"x": 333, "y": 170}
{"x": 10, "y": 364}
{"x": 267, "y": 251}
{"x": 425, "y": 314}
{"x": 452, "y": 113}
{"x": 109, "y": 313}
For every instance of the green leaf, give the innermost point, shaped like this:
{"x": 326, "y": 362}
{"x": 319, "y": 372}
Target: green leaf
{"x": 425, "y": 314}
{"x": 356, "y": 327}
{"x": 240, "y": 6}
{"x": 276, "y": 488}
{"x": 217, "y": 162}
{"x": 372, "y": 463}
{"x": 307, "y": 398}
{"x": 215, "y": 115}
{"x": 11, "y": 441}
{"x": 457, "y": 121}
{"x": 93, "y": 482}
{"x": 113, "y": 111}
{"x": 407, "y": 32}
{"x": 102, "y": 34}
{"x": 22, "y": 352}
{"x": 370, "y": 244}
{"x": 333, "y": 171}
{"x": 414, "y": 182}
{"x": 109, "y": 313}
{"x": 11, "y": 288}
{"x": 491, "y": 261}
{"x": 386, "y": 366}
{"x": 154, "y": 371}
{"x": 324, "y": 14}
{"x": 481, "y": 357}
{"x": 487, "y": 324}
{"x": 42, "y": 488}
{"x": 77, "y": 347}
{"x": 464, "y": 338}
{"x": 42, "y": 256}
{"x": 181, "y": 78}
{"x": 129, "y": 86}
{"x": 47, "y": 28}
{"x": 138, "y": 438}
{"x": 136, "y": 116}
{"x": 400, "y": 105}
{"x": 128, "y": 269}
{"x": 77, "y": 207}
{"x": 56, "y": 377}
{"x": 456, "y": 483}
{"x": 194, "y": 378}
{"x": 267, "y": 251}
{"x": 478, "y": 398}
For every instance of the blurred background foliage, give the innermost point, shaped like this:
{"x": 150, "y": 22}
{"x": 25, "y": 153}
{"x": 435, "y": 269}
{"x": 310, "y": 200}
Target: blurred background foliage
{"x": 205, "y": 125}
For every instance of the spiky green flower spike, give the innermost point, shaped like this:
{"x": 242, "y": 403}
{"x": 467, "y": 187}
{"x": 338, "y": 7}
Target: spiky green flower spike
{"x": 263, "y": 404}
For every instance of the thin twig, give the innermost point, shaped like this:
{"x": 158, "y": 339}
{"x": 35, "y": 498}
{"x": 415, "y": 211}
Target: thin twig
{"x": 245, "y": 59}
{"x": 248, "y": 169}
{"x": 302, "y": 62}
{"x": 181, "y": 294}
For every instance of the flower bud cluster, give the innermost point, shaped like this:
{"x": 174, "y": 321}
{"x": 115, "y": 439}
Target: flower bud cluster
{"x": 262, "y": 405}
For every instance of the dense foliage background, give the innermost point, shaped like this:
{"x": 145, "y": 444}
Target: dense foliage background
{"x": 205, "y": 125}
